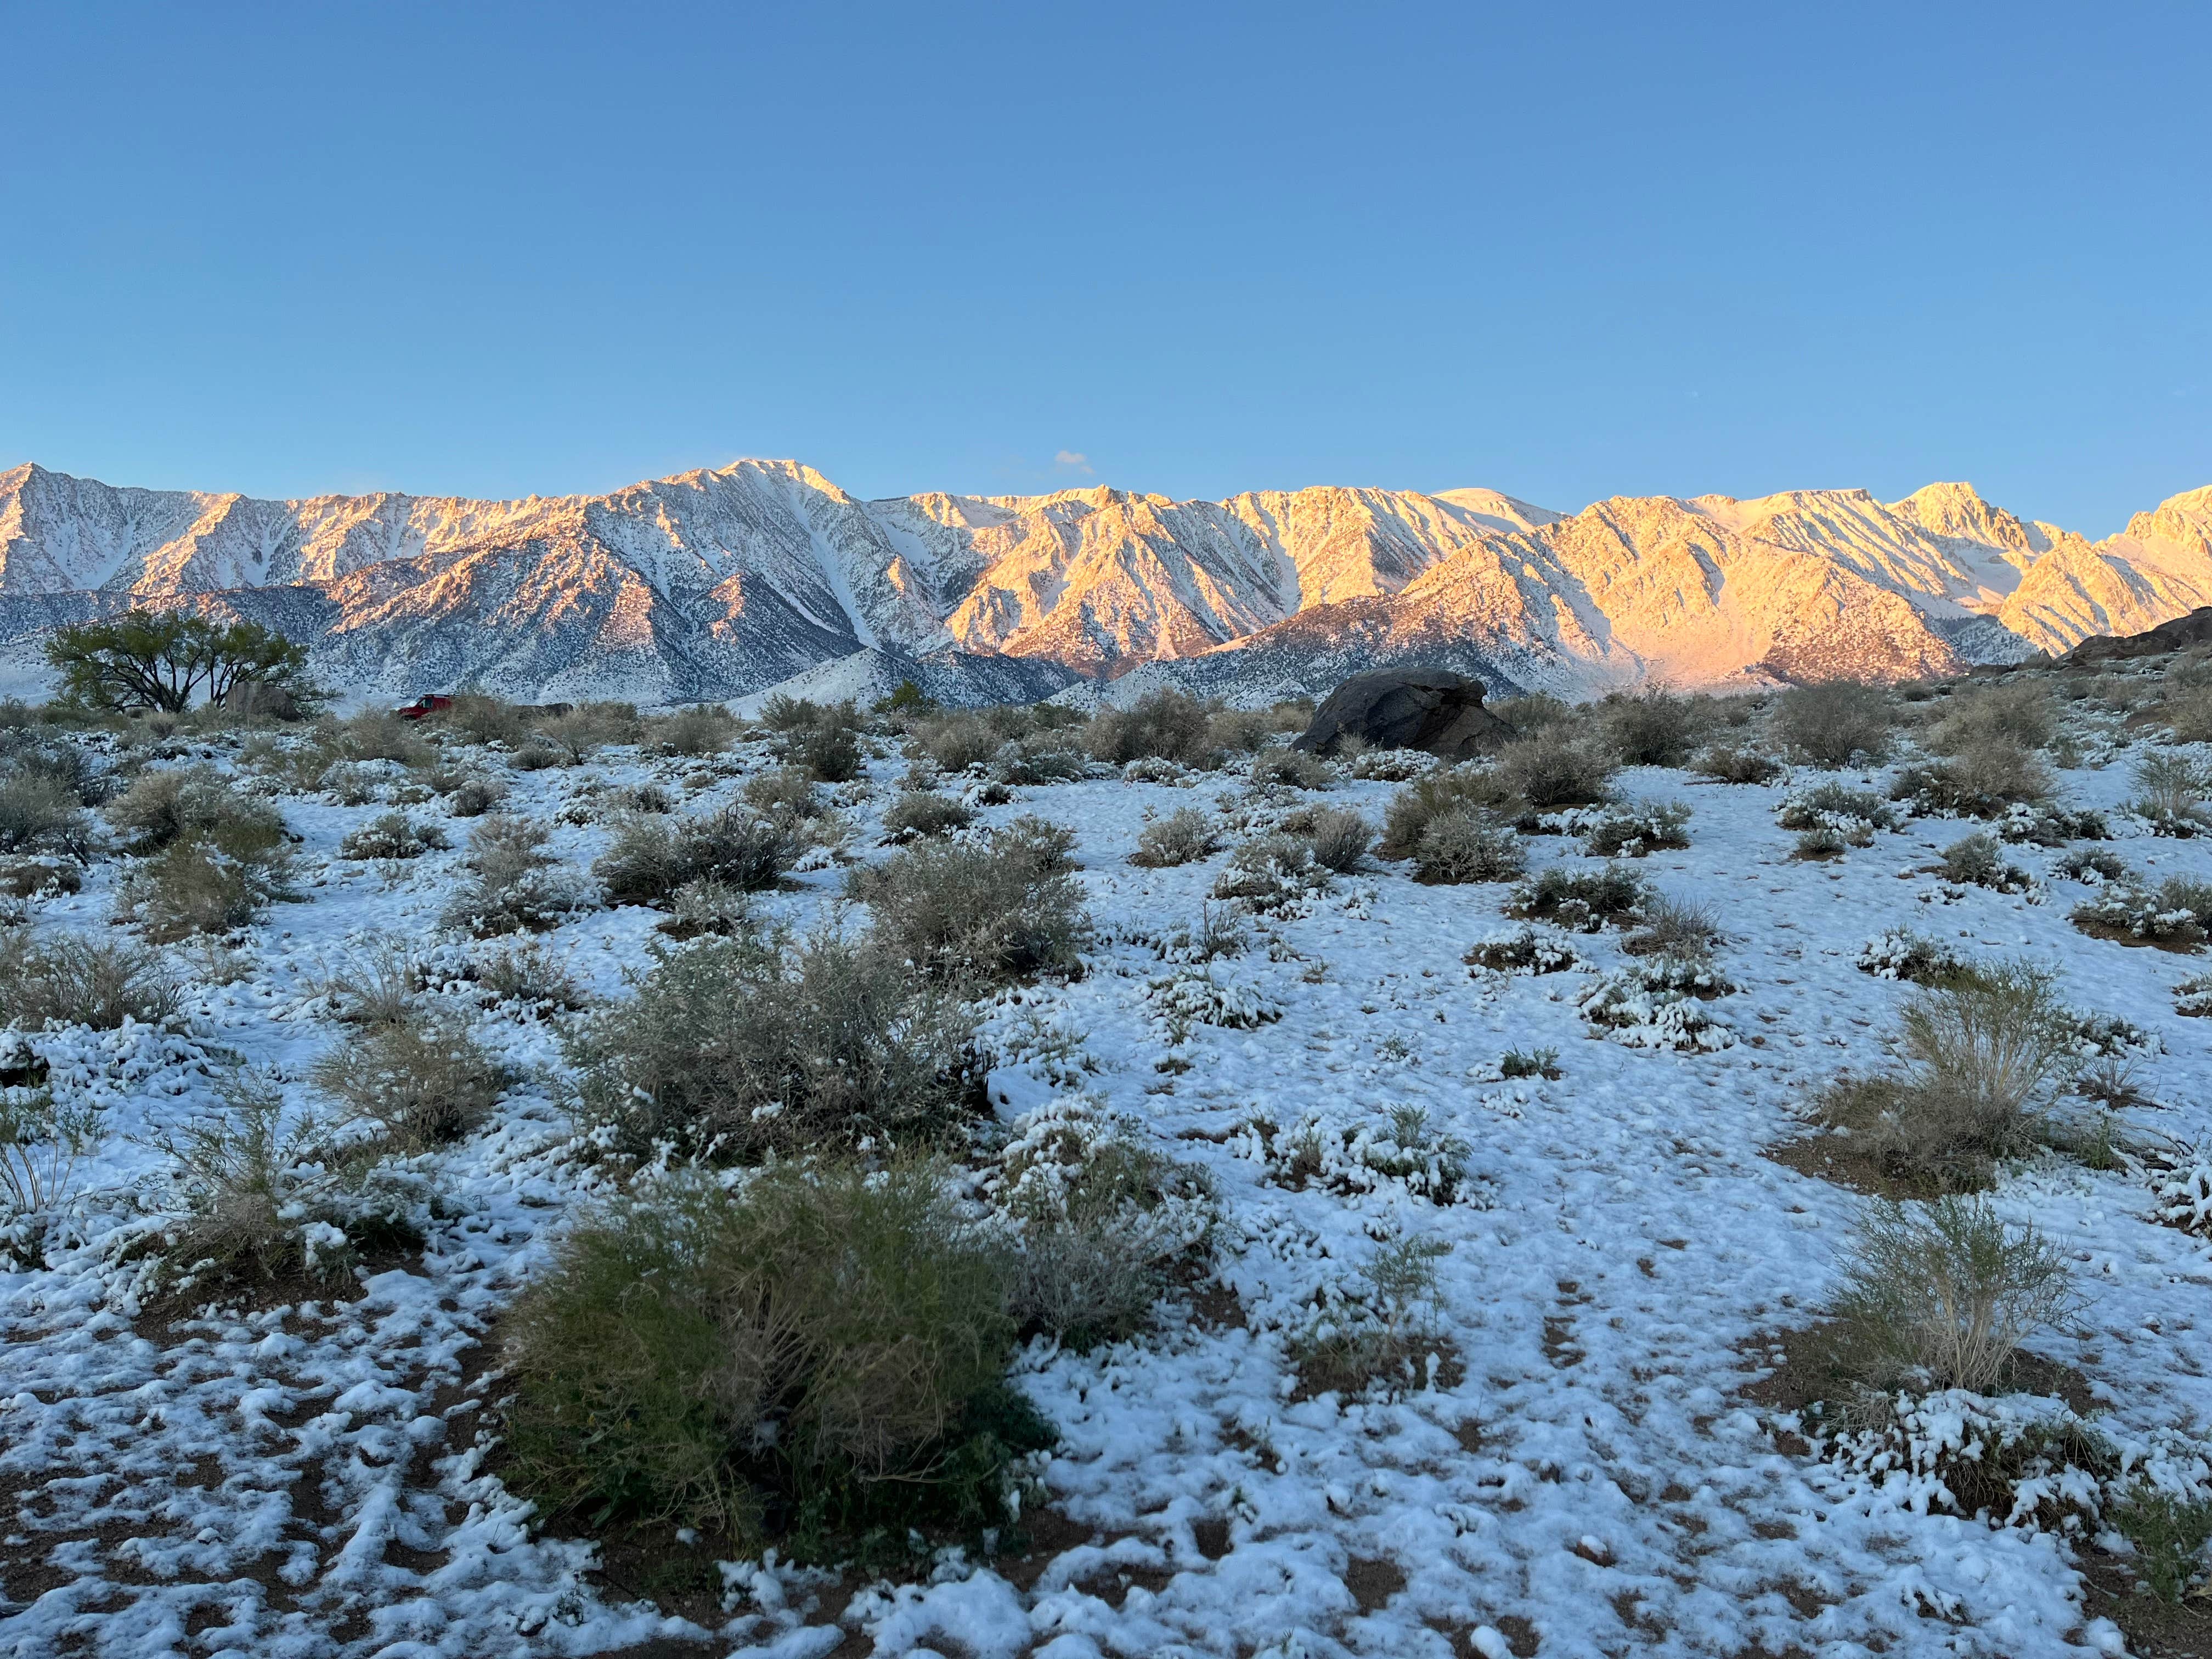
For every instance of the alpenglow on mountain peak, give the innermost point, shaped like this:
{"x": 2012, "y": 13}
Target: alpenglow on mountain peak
{"x": 724, "y": 581}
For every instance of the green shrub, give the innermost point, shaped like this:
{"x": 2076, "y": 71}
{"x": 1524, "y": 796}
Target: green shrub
{"x": 1582, "y": 899}
{"x": 829, "y": 754}
{"x": 653, "y": 857}
{"x": 1182, "y": 837}
{"x": 988, "y": 913}
{"x": 1292, "y": 769}
{"x": 68, "y": 980}
{"x": 391, "y": 835}
{"x": 2019, "y": 716}
{"x": 1978, "y": 860}
{"x": 704, "y": 728}
{"x": 1983, "y": 1058}
{"x": 819, "y": 1347}
{"x": 1554, "y": 769}
{"x": 479, "y": 718}
{"x": 1652, "y": 727}
{"x": 422, "y": 1085}
{"x": 1941, "y": 1295}
{"x": 1635, "y": 831}
{"x": 512, "y": 884}
{"x": 1833, "y": 721}
{"x": 1731, "y": 762}
{"x": 1165, "y": 724}
{"x": 2169, "y": 1533}
{"x": 737, "y": 1049}
{"x": 921, "y": 814}
{"x": 1271, "y": 873}
{"x": 1516, "y": 1063}
{"x": 1413, "y": 807}
{"x": 1460, "y": 845}
{"x": 41, "y": 813}
{"x": 42, "y": 1143}
{"x": 1385, "y": 1333}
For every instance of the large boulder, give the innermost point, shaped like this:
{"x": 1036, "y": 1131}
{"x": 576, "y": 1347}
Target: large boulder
{"x": 1428, "y": 708}
{"x": 2195, "y": 628}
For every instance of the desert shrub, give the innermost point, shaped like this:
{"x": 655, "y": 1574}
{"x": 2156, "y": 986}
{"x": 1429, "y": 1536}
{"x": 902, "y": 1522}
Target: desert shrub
{"x": 1940, "y": 1295}
{"x": 1635, "y": 830}
{"x": 956, "y": 741}
{"x": 376, "y": 983}
{"x": 375, "y": 735}
{"x": 211, "y": 882}
{"x": 512, "y": 885}
{"x": 2019, "y": 715}
{"x": 254, "y": 1199}
{"x": 827, "y": 753}
{"x": 1830, "y": 722}
{"x": 788, "y": 789}
{"x": 2171, "y": 792}
{"x": 1521, "y": 950}
{"x": 704, "y": 728}
{"x": 67, "y": 980}
{"x": 181, "y": 803}
{"x": 1533, "y": 712}
{"x": 1048, "y": 758}
{"x": 1460, "y": 845}
{"x": 43, "y": 1142}
{"x": 651, "y": 857}
{"x": 420, "y": 1084}
{"x": 1218, "y": 934}
{"x": 479, "y": 718}
{"x": 1981, "y": 780}
{"x": 1271, "y": 873}
{"x": 814, "y": 1345}
{"x": 536, "y": 753}
{"x": 2126, "y": 908}
{"x": 2188, "y": 712}
{"x": 1292, "y": 769}
{"x": 1340, "y": 837}
{"x": 1582, "y": 899}
{"x": 918, "y": 814}
{"x": 1101, "y": 1218}
{"x": 589, "y": 725}
{"x": 1182, "y": 837}
{"x": 1978, "y": 860}
{"x": 1983, "y": 1057}
{"x": 32, "y": 877}
{"x": 1657, "y": 1002}
{"x": 1902, "y": 954}
{"x": 529, "y": 975}
{"x": 741, "y": 1048}
{"x": 708, "y": 908}
{"x": 988, "y": 912}
{"x": 1516, "y": 1063}
{"x": 1554, "y": 769}
{"x": 1733, "y": 763}
{"x": 1652, "y": 727}
{"x": 1822, "y": 840}
{"x": 1245, "y": 730}
{"x": 1674, "y": 927}
{"x": 1165, "y": 724}
{"x": 41, "y": 813}
{"x": 1385, "y": 1333}
{"x": 391, "y": 835}
{"x": 2169, "y": 1531}
{"x": 1853, "y": 814}
{"x": 473, "y": 797}
{"x": 1413, "y": 807}
{"x": 2093, "y": 866}
{"x": 782, "y": 712}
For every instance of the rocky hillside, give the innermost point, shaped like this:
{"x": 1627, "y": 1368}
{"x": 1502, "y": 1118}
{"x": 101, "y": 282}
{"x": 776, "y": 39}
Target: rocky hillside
{"x": 722, "y": 583}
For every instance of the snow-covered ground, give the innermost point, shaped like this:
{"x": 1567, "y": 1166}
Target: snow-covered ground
{"x": 1588, "y": 1478}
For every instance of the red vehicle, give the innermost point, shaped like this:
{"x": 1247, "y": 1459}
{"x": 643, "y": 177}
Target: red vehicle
{"x": 428, "y": 703}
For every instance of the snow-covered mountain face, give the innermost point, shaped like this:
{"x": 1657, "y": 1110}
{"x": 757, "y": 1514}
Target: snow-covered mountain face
{"x": 721, "y": 583}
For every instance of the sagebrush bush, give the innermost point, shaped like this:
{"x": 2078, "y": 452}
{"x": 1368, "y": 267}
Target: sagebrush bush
{"x": 1532, "y": 713}
{"x": 176, "y": 804}
{"x": 989, "y": 912}
{"x": 2169, "y": 1532}
{"x": 1101, "y": 1216}
{"x": 1165, "y": 725}
{"x": 704, "y": 728}
{"x": 1978, "y": 860}
{"x": 1420, "y": 802}
{"x": 817, "y": 1353}
{"x": 512, "y": 885}
{"x": 479, "y": 718}
{"x": 1940, "y": 1295}
{"x": 1635, "y": 831}
{"x": 529, "y": 975}
{"x": 827, "y": 753}
{"x": 41, "y": 813}
{"x": 740, "y": 1048}
{"x": 1834, "y": 720}
{"x": 376, "y": 984}
{"x": 2171, "y": 792}
{"x": 1732, "y": 762}
{"x": 955, "y": 741}
{"x": 1674, "y": 927}
{"x": 2021, "y": 715}
{"x": 1983, "y": 1057}
{"x": 1552, "y": 768}
{"x": 1460, "y": 845}
{"x": 393, "y": 835}
{"x": 1292, "y": 769}
{"x": 1385, "y": 1333}
{"x": 1340, "y": 836}
{"x": 66, "y": 979}
{"x": 1582, "y": 899}
{"x": 420, "y": 1084}
{"x": 1271, "y": 873}
{"x": 918, "y": 814}
{"x": 653, "y": 857}
{"x": 1521, "y": 950}
{"x": 215, "y": 877}
{"x": 1182, "y": 837}
{"x": 1652, "y": 727}
{"x": 1981, "y": 779}
{"x": 788, "y": 790}
{"x": 473, "y": 797}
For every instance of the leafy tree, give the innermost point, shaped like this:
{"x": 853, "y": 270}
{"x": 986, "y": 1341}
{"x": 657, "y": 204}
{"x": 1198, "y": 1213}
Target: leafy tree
{"x": 162, "y": 658}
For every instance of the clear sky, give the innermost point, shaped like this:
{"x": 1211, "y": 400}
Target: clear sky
{"x": 1566, "y": 252}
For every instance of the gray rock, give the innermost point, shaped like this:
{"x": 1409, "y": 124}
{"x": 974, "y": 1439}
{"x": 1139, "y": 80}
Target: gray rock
{"x": 1428, "y": 708}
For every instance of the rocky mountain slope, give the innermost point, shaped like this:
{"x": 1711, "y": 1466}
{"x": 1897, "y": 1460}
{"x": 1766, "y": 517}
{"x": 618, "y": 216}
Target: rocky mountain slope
{"x": 724, "y": 582}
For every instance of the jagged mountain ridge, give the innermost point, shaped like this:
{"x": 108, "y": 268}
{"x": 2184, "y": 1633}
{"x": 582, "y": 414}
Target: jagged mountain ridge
{"x": 722, "y": 582}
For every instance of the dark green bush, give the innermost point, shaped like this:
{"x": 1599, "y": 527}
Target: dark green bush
{"x": 988, "y": 913}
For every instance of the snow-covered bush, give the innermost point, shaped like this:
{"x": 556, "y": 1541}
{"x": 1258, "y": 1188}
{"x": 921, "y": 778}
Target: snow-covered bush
{"x": 1460, "y": 845}
{"x": 391, "y": 836}
{"x": 1985, "y": 780}
{"x": 1901, "y": 954}
{"x": 1730, "y": 763}
{"x": 815, "y": 1344}
{"x": 1271, "y": 874}
{"x": 1978, "y": 860}
{"x": 2022, "y": 824}
{"x": 513, "y": 885}
{"x": 473, "y": 797}
{"x": 2094, "y": 867}
{"x": 1633, "y": 830}
{"x": 1100, "y": 1216}
{"x": 419, "y": 1084}
{"x": 1852, "y": 814}
{"x": 1584, "y": 900}
{"x": 1340, "y": 836}
{"x": 1181, "y": 837}
{"x": 1292, "y": 769}
{"x": 42, "y": 1142}
{"x": 1193, "y": 996}
{"x": 1360, "y": 1153}
{"x": 703, "y": 728}
{"x": 918, "y": 814}
{"x": 1429, "y": 796}
{"x": 66, "y": 979}
{"x": 2171, "y": 917}
{"x": 2172, "y": 792}
{"x": 1521, "y": 950}
{"x": 1381, "y": 1332}
{"x": 2182, "y": 1196}
{"x": 2014, "y": 1461}
{"x": 1555, "y": 767}
{"x": 1391, "y": 765}
{"x": 1674, "y": 927}
{"x": 2193, "y": 996}
{"x": 1153, "y": 769}
{"x": 739, "y": 1048}
{"x": 1830, "y": 723}
{"x": 1659, "y": 1003}
{"x": 1163, "y": 725}
{"x": 983, "y": 911}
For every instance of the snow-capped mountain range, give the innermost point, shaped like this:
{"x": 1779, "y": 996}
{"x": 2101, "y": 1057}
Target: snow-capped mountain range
{"x": 724, "y": 582}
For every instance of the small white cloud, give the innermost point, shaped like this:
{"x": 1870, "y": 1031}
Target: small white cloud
{"x": 1074, "y": 461}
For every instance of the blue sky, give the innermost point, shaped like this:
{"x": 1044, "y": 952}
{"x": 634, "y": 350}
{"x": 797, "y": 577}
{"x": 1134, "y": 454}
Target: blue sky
{"x": 1564, "y": 252}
